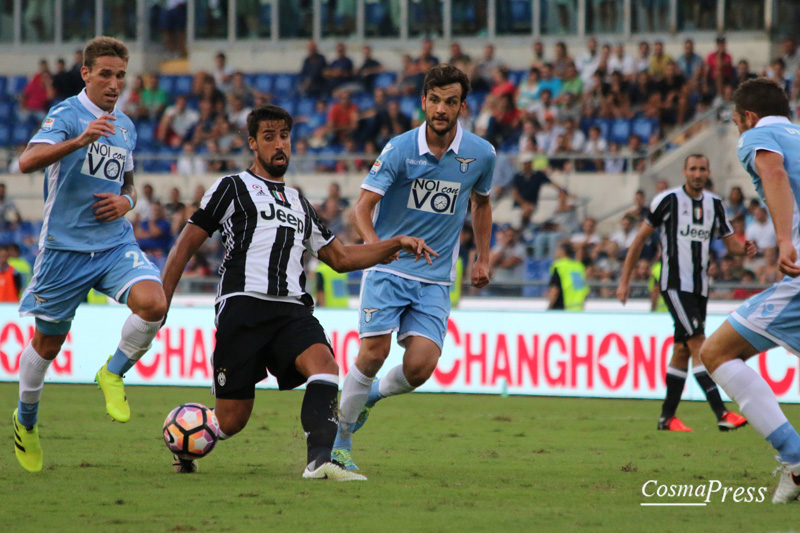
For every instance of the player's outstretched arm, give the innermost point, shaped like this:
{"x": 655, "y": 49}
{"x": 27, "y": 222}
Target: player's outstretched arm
{"x": 634, "y": 252}
{"x": 190, "y": 239}
{"x": 736, "y": 247}
{"x": 780, "y": 201}
{"x": 41, "y": 155}
{"x": 482, "y": 227}
{"x": 348, "y": 258}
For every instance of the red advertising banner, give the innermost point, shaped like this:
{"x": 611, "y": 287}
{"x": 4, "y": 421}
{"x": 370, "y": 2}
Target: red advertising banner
{"x": 595, "y": 354}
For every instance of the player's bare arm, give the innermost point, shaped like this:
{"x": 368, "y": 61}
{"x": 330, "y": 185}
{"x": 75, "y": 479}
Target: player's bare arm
{"x": 190, "y": 239}
{"x": 482, "y": 227}
{"x": 110, "y": 206}
{"x": 41, "y": 155}
{"x": 780, "y": 201}
{"x": 362, "y": 215}
{"x": 736, "y": 247}
{"x": 634, "y": 252}
{"x": 348, "y": 258}
{"x": 362, "y": 220}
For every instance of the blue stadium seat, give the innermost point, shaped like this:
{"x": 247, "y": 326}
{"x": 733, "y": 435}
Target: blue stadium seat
{"x": 620, "y": 130}
{"x": 3, "y": 86}
{"x": 532, "y": 269}
{"x": 5, "y": 135}
{"x": 305, "y": 106}
{"x": 265, "y": 15}
{"x": 516, "y": 76}
{"x": 250, "y": 79}
{"x": 354, "y": 282}
{"x": 23, "y": 131}
{"x": 146, "y": 131}
{"x": 7, "y": 111}
{"x": 510, "y": 145}
{"x": 301, "y": 130}
{"x": 521, "y": 10}
{"x": 605, "y": 127}
{"x": 286, "y": 103}
{"x": 644, "y": 128}
{"x": 329, "y": 151}
{"x": 475, "y": 101}
{"x": 374, "y": 13}
{"x": 465, "y": 14}
{"x": 167, "y": 83}
{"x": 408, "y": 105}
{"x": 284, "y": 84}
{"x": 385, "y": 79}
{"x": 165, "y": 165}
{"x": 263, "y": 83}
{"x": 15, "y": 86}
{"x": 364, "y": 101}
{"x": 182, "y": 85}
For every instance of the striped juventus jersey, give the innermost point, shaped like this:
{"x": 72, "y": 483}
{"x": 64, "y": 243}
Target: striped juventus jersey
{"x": 266, "y": 229}
{"x": 687, "y": 225}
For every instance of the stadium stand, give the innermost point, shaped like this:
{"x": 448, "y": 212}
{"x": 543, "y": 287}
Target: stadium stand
{"x": 644, "y": 101}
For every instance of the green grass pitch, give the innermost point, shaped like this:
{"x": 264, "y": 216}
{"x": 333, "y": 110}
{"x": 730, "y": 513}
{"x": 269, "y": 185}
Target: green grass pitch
{"x": 435, "y": 462}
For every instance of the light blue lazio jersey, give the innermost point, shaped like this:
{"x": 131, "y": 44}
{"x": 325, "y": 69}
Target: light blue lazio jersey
{"x": 70, "y": 184}
{"x": 775, "y": 134}
{"x": 779, "y": 135}
{"x": 426, "y": 198}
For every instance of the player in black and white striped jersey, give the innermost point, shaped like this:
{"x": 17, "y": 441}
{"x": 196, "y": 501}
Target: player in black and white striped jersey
{"x": 263, "y": 314}
{"x": 689, "y": 217}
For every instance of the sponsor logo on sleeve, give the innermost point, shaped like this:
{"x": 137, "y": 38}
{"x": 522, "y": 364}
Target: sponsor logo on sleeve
{"x": 47, "y": 125}
{"x": 375, "y": 167}
{"x": 104, "y": 161}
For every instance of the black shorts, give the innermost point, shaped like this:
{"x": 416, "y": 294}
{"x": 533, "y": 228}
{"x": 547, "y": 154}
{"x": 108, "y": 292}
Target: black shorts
{"x": 254, "y": 336}
{"x": 688, "y": 310}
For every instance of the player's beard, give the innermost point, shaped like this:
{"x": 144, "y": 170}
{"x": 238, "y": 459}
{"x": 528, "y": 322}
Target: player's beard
{"x": 441, "y": 132}
{"x": 697, "y": 186}
{"x": 276, "y": 171}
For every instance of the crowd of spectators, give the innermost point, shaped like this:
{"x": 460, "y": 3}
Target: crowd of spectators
{"x": 592, "y": 103}
{"x": 595, "y": 110}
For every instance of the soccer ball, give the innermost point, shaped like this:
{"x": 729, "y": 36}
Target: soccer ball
{"x": 191, "y": 431}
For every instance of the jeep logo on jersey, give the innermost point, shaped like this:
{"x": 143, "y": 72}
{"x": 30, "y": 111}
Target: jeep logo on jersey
{"x": 434, "y": 196}
{"x": 104, "y": 161}
{"x": 695, "y": 233}
{"x": 285, "y": 216}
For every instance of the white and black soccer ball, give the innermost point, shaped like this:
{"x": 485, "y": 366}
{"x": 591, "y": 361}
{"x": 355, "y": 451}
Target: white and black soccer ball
{"x": 191, "y": 431}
